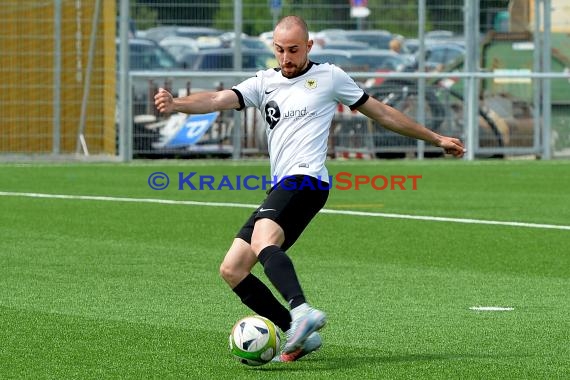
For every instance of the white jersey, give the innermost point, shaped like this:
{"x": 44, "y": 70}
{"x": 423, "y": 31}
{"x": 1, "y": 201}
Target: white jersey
{"x": 298, "y": 113}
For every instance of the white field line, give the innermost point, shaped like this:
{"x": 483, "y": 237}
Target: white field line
{"x": 253, "y": 206}
{"x": 491, "y": 308}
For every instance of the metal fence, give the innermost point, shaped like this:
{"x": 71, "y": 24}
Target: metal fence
{"x": 74, "y": 84}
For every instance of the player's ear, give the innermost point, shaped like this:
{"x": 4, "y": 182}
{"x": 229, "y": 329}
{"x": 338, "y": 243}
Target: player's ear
{"x": 309, "y": 45}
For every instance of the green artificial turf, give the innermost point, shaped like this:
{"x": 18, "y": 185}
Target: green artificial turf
{"x": 103, "y": 288}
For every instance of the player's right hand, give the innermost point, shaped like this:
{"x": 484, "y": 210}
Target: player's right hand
{"x": 163, "y": 101}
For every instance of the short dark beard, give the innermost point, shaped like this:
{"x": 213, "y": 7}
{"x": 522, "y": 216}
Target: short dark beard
{"x": 303, "y": 67}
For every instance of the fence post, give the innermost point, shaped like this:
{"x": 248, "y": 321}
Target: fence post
{"x": 471, "y": 89}
{"x": 421, "y": 81}
{"x": 124, "y": 106}
{"x": 537, "y": 83}
{"x": 57, "y": 67}
{"x": 238, "y": 27}
{"x": 546, "y": 93}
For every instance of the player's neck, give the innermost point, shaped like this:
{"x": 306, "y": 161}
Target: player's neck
{"x": 307, "y": 67}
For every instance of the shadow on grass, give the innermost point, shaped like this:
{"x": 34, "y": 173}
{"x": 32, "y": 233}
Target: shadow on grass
{"x": 324, "y": 361}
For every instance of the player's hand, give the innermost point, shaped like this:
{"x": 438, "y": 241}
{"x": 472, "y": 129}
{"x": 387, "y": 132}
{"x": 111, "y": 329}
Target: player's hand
{"x": 453, "y": 146}
{"x": 163, "y": 101}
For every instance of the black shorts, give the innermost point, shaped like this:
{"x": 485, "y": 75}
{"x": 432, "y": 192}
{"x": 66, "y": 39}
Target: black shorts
{"x": 292, "y": 203}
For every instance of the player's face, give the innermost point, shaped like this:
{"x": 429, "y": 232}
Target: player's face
{"x": 291, "y": 50}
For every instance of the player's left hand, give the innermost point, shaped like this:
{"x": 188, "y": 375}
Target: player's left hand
{"x": 453, "y": 146}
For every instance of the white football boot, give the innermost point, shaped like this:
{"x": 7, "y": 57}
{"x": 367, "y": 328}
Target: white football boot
{"x": 311, "y": 344}
{"x": 305, "y": 321}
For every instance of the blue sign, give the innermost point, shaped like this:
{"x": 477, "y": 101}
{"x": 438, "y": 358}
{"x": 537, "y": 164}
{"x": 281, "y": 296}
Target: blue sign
{"x": 194, "y": 127}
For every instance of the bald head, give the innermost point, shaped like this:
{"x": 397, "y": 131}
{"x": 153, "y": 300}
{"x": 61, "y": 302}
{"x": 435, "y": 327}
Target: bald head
{"x": 292, "y": 22}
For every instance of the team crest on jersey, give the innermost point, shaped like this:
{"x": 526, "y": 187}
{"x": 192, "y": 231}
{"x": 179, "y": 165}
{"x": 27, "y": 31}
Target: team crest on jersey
{"x": 311, "y": 84}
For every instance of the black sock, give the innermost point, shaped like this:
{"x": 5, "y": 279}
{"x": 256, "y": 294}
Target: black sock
{"x": 279, "y": 269}
{"x": 257, "y": 296}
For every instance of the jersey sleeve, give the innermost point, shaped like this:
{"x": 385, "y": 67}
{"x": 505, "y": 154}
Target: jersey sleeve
{"x": 346, "y": 89}
{"x": 250, "y": 91}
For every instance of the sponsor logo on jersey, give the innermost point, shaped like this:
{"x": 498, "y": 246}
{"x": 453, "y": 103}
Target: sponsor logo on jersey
{"x": 272, "y": 114}
{"x": 295, "y": 113}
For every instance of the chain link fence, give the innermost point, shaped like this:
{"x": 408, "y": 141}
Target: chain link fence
{"x": 495, "y": 74}
{"x": 57, "y": 78}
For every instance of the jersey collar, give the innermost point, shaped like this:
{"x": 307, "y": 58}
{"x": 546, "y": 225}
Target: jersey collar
{"x": 309, "y": 65}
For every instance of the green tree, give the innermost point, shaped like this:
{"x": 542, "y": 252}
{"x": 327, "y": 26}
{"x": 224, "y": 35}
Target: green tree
{"x": 448, "y": 14}
{"x": 396, "y": 16}
{"x": 143, "y": 16}
{"x": 182, "y": 12}
{"x": 258, "y": 16}
{"x": 319, "y": 14}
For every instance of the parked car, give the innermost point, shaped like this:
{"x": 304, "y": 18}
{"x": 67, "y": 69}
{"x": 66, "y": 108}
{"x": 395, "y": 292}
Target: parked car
{"x": 341, "y": 58}
{"x": 378, "y": 60}
{"x": 223, "y": 59}
{"x": 442, "y": 54}
{"x": 146, "y": 54}
{"x": 179, "y": 46}
{"x": 439, "y": 35}
{"x": 377, "y": 39}
{"x": 343, "y": 45}
{"x": 158, "y": 33}
{"x": 438, "y": 54}
{"x": 247, "y": 42}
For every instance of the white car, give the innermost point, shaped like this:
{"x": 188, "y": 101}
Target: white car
{"x": 179, "y": 46}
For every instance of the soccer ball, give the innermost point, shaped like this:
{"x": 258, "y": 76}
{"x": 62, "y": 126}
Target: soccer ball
{"x": 254, "y": 340}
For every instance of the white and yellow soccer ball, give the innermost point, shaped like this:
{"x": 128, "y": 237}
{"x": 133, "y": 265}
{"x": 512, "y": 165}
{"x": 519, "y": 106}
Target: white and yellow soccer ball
{"x": 254, "y": 340}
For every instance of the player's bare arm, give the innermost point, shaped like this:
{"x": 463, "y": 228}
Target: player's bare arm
{"x": 198, "y": 103}
{"x": 398, "y": 122}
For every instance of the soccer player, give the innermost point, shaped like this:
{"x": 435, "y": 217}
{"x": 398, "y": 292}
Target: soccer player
{"x": 298, "y": 100}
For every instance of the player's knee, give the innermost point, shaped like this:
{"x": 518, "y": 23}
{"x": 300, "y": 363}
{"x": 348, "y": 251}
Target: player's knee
{"x": 226, "y": 271}
{"x": 231, "y": 275}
